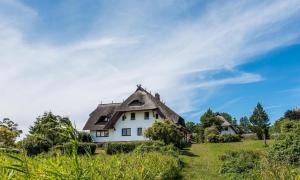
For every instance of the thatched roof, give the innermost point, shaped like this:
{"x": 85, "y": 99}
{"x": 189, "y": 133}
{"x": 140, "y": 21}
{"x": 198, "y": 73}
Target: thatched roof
{"x": 226, "y": 123}
{"x": 140, "y": 100}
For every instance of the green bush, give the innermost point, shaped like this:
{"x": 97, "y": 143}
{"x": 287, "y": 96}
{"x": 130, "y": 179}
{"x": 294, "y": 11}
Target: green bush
{"x": 212, "y": 138}
{"x": 83, "y": 148}
{"x": 165, "y": 131}
{"x": 229, "y": 138}
{"x": 124, "y": 147}
{"x": 158, "y": 147}
{"x": 84, "y": 137}
{"x": 286, "y": 149}
{"x": 238, "y": 161}
{"x": 35, "y": 145}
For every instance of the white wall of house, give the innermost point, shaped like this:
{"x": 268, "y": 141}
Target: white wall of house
{"x": 139, "y": 122}
{"x": 228, "y": 131}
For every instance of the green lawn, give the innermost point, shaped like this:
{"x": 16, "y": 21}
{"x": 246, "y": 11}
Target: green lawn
{"x": 201, "y": 160}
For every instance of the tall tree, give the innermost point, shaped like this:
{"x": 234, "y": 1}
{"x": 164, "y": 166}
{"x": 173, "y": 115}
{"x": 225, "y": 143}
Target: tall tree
{"x": 52, "y": 127}
{"x": 245, "y": 124}
{"x": 260, "y": 121}
{"x": 10, "y": 125}
{"x": 8, "y": 132}
{"x": 292, "y": 114}
{"x": 190, "y": 126}
{"x": 209, "y": 118}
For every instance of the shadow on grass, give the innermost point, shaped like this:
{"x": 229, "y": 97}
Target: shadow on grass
{"x": 186, "y": 152}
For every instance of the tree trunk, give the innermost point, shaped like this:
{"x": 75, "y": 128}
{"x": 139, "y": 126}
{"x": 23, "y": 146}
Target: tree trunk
{"x": 265, "y": 139}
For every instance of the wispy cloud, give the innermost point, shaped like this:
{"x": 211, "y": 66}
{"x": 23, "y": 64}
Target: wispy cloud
{"x": 149, "y": 44}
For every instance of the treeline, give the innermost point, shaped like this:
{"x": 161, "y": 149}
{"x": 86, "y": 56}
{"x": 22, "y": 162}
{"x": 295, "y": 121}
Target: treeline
{"x": 210, "y": 126}
{"x": 48, "y": 131}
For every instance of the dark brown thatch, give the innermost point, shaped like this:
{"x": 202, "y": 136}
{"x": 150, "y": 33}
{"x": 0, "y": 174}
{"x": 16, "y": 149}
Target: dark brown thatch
{"x": 140, "y": 100}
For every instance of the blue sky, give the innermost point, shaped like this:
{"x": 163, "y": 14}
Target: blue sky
{"x": 68, "y": 56}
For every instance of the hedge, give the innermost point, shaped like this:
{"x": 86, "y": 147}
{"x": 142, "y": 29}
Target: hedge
{"x": 83, "y": 148}
{"x": 125, "y": 147}
{"x": 223, "y": 138}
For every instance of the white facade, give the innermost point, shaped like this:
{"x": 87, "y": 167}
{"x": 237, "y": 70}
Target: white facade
{"x": 139, "y": 122}
{"x": 229, "y": 130}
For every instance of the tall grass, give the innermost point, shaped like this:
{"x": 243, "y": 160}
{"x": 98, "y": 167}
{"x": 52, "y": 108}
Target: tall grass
{"x": 121, "y": 166}
{"x": 57, "y": 166}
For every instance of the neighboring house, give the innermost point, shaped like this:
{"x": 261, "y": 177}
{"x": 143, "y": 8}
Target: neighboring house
{"x": 127, "y": 121}
{"x": 227, "y": 127}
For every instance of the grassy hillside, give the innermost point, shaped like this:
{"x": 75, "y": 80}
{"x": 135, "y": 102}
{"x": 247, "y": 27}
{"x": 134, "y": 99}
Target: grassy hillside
{"x": 201, "y": 160}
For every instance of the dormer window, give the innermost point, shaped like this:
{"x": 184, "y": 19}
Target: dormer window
{"x": 136, "y": 103}
{"x": 102, "y": 119}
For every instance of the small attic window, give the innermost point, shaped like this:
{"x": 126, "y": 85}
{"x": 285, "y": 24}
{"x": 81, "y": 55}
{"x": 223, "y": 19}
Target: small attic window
{"x": 136, "y": 103}
{"x": 102, "y": 119}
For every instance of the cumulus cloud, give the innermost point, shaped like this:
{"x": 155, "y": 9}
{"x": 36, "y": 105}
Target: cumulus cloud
{"x": 155, "y": 45}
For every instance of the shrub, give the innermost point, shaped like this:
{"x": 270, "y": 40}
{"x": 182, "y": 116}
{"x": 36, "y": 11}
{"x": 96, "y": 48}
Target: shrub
{"x": 212, "y": 134}
{"x": 124, "y": 147}
{"x": 286, "y": 149}
{"x": 212, "y": 138}
{"x": 238, "y": 161}
{"x": 35, "y": 145}
{"x": 165, "y": 131}
{"x": 229, "y": 138}
{"x": 158, "y": 147}
{"x": 83, "y": 148}
{"x": 84, "y": 137}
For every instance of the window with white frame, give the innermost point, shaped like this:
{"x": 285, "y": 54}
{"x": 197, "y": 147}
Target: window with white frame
{"x": 126, "y": 131}
{"x": 102, "y": 133}
{"x": 139, "y": 131}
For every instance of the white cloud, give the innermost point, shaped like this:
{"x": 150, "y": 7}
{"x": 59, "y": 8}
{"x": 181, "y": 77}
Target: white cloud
{"x": 72, "y": 78}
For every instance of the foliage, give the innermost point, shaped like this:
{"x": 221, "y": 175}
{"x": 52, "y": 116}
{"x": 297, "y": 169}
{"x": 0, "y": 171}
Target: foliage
{"x": 286, "y": 148}
{"x": 84, "y": 137}
{"x": 212, "y": 134}
{"x": 52, "y": 127}
{"x": 238, "y": 161}
{"x": 212, "y": 138}
{"x": 158, "y": 147}
{"x": 125, "y": 147}
{"x": 83, "y": 148}
{"x": 202, "y": 160}
{"x": 165, "y": 131}
{"x": 8, "y": 132}
{"x": 190, "y": 126}
{"x": 229, "y": 138}
{"x": 199, "y": 134}
{"x": 7, "y": 137}
{"x": 292, "y": 114}
{"x": 11, "y": 125}
{"x": 36, "y": 144}
{"x": 121, "y": 166}
{"x": 245, "y": 125}
{"x": 209, "y": 118}
{"x": 212, "y": 130}
{"x": 260, "y": 121}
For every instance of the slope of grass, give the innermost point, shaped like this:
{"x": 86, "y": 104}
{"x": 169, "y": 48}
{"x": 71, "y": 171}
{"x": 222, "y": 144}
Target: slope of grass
{"x": 201, "y": 161}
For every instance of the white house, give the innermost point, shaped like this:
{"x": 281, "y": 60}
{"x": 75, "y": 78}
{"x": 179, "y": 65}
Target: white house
{"x": 127, "y": 121}
{"x": 227, "y": 127}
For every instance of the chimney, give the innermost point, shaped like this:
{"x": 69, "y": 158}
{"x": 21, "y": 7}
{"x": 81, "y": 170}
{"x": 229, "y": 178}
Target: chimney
{"x": 157, "y": 96}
